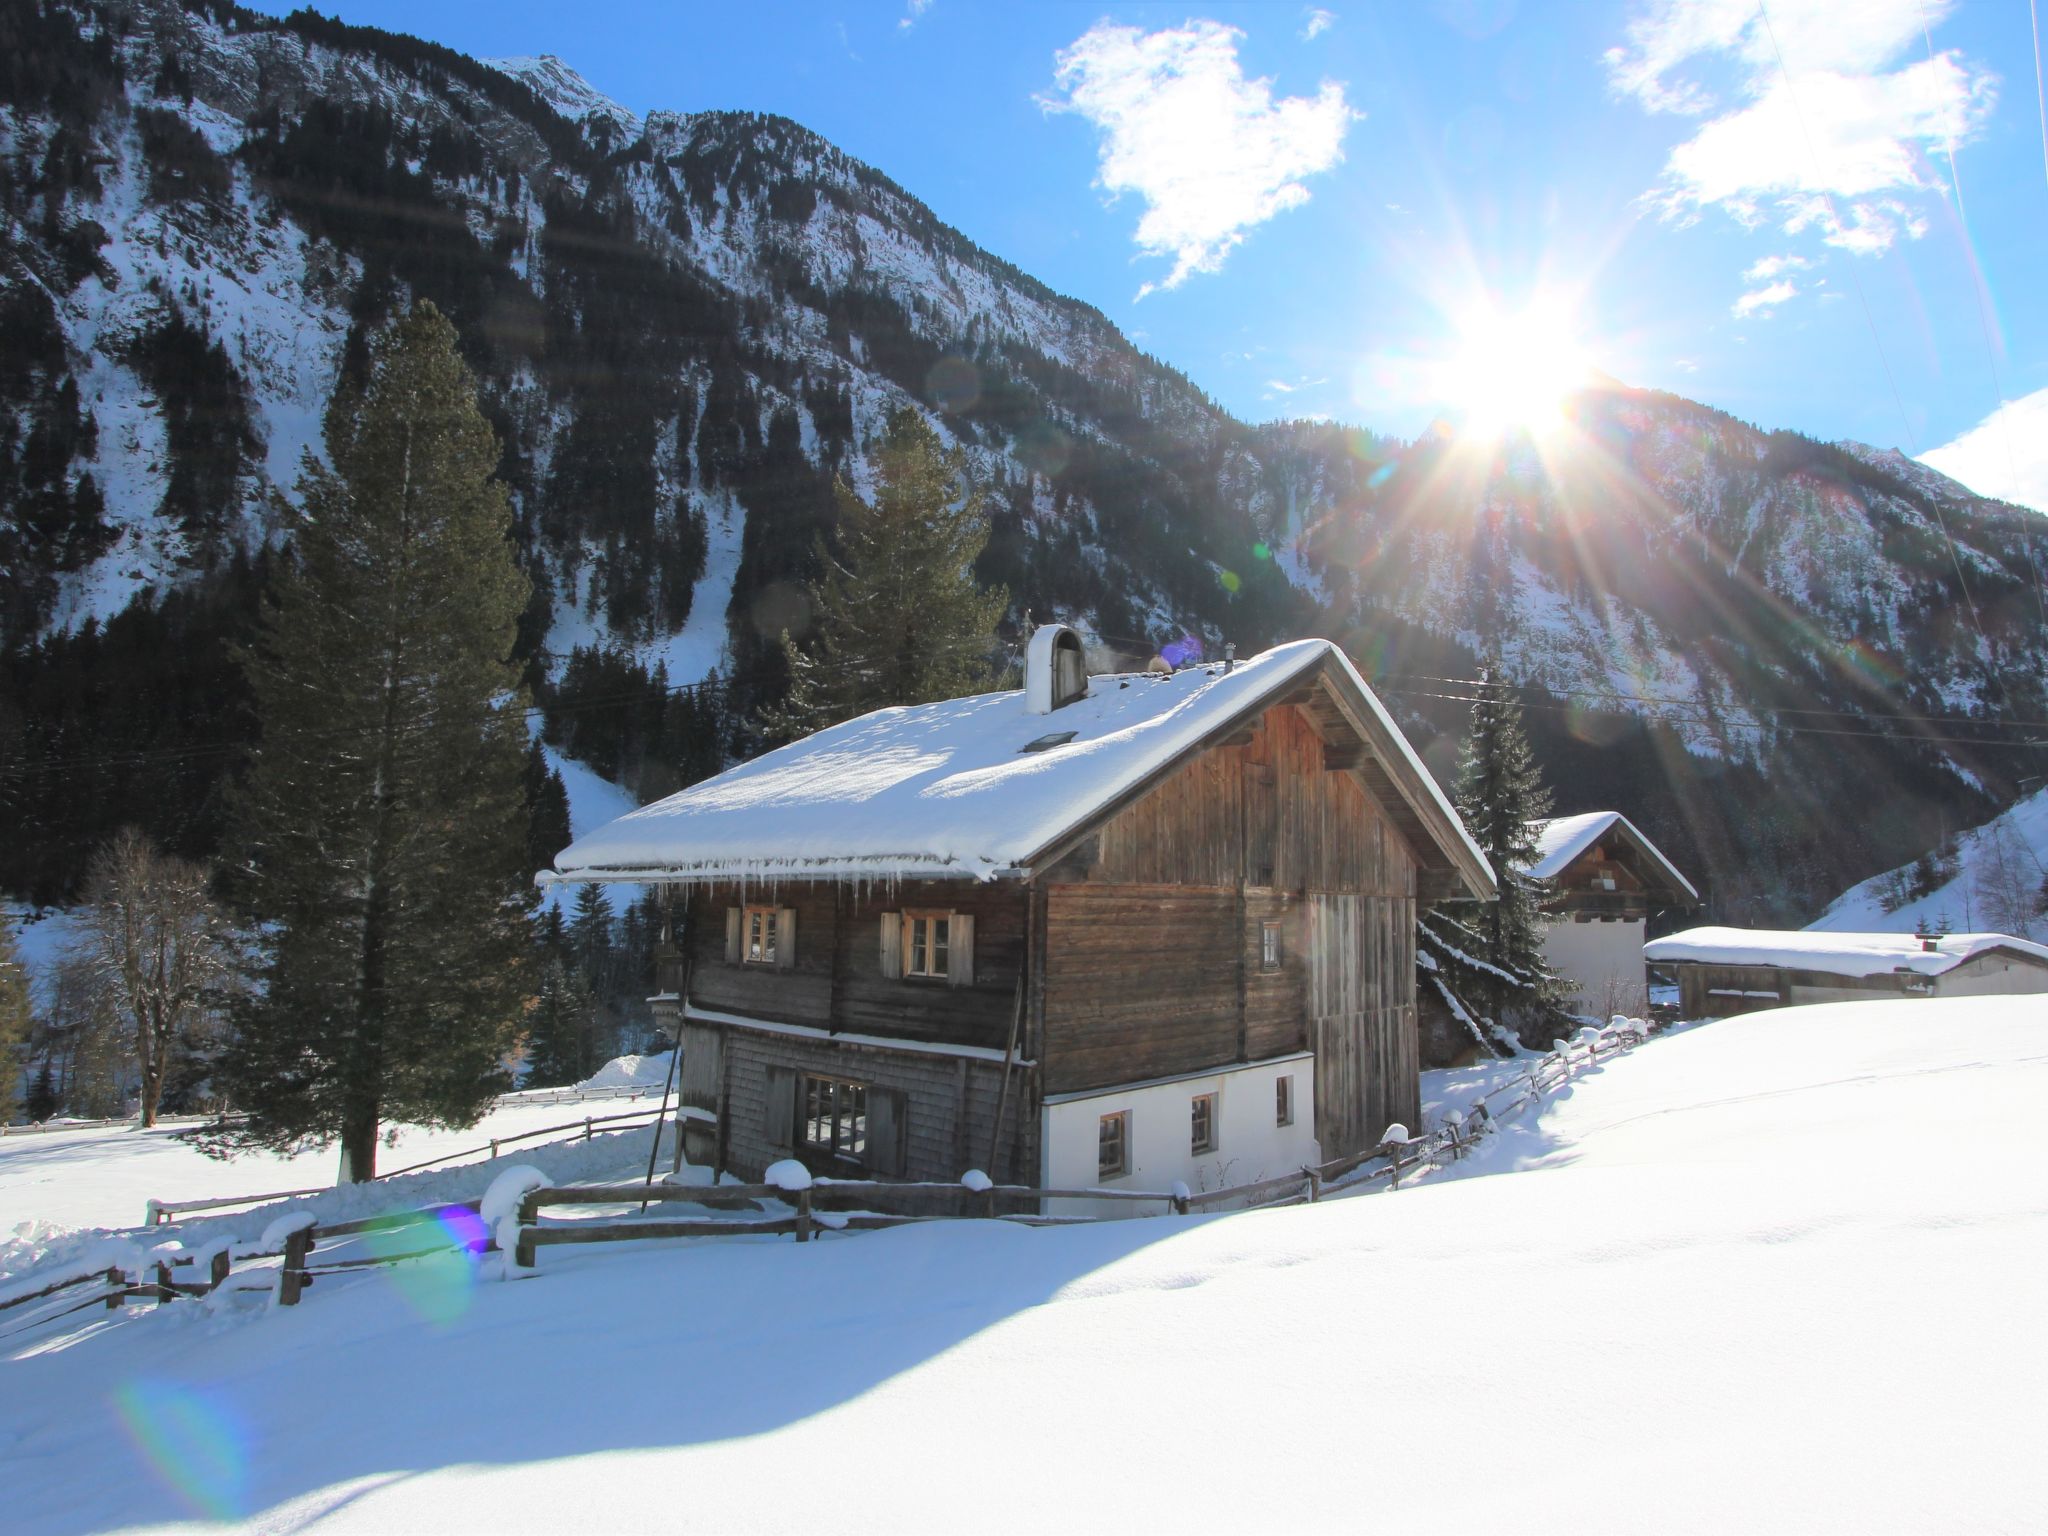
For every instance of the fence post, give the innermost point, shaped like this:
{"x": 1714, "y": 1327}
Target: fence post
{"x": 163, "y": 1282}
{"x": 803, "y": 1215}
{"x": 494, "y": 1146}
{"x": 292, "y": 1279}
{"x": 1315, "y": 1185}
{"x": 119, "y": 1282}
{"x": 586, "y": 1127}
{"x": 152, "y": 1213}
{"x": 221, "y": 1262}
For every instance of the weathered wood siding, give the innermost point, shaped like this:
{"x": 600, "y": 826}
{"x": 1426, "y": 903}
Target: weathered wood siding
{"x": 949, "y": 1105}
{"x": 836, "y": 980}
{"x": 1362, "y": 1019}
{"x": 1141, "y": 982}
{"x": 1152, "y": 943}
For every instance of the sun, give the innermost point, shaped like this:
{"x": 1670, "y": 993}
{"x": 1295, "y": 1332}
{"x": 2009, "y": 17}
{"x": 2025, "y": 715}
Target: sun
{"x": 1513, "y": 372}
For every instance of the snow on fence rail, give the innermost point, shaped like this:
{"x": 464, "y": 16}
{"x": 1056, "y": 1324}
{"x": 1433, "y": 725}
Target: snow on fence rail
{"x": 157, "y": 1212}
{"x": 467, "y": 1226}
{"x": 849, "y": 1204}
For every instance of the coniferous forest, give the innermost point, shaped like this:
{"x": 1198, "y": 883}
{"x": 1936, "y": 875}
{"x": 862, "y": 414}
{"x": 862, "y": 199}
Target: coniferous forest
{"x": 688, "y": 336}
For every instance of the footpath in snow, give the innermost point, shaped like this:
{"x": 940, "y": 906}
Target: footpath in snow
{"x": 1776, "y": 1273}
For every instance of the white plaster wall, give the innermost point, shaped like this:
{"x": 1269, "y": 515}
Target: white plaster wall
{"x": 1604, "y": 961}
{"x": 1990, "y": 975}
{"x": 1249, "y": 1146}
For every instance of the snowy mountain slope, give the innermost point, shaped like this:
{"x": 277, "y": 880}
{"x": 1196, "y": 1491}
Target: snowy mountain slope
{"x": 1707, "y": 1256}
{"x": 1993, "y": 877}
{"x": 688, "y": 326}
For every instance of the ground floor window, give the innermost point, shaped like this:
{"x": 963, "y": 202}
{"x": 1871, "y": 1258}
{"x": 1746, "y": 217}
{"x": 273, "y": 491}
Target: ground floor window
{"x": 834, "y": 1118}
{"x": 1113, "y": 1146}
{"x": 1202, "y": 1124}
{"x": 1283, "y": 1099}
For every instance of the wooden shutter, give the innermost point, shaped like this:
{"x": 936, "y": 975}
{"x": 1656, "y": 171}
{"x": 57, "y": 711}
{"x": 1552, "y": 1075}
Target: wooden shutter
{"x": 886, "y": 1124}
{"x": 785, "y": 938}
{"x": 732, "y": 935}
{"x": 960, "y": 949}
{"x": 892, "y": 945}
{"x": 778, "y": 1119}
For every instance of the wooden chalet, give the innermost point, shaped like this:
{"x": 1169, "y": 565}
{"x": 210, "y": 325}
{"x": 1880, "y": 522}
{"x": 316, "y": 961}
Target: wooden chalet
{"x": 1115, "y": 929}
{"x": 1726, "y": 971}
{"x": 1605, "y": 883}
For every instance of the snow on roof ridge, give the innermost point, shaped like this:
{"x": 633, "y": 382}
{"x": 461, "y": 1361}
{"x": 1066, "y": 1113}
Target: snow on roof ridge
{"x": 1561, "y": 839}
{"x": 945, "y": 789}
{"x": 1846, "y": 954}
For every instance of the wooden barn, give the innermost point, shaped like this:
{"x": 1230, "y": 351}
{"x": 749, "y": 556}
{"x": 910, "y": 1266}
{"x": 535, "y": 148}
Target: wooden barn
{"x": 1116, "y": 929}
{"x": 1724, "y": 971}
{"x": 1605, "y": 883}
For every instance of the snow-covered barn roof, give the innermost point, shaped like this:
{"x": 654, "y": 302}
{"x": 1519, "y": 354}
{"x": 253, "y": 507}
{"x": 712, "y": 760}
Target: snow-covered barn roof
{"x": 1837, "y": 954}
{"x": 1563, "y": 839}
{"x": 956, "y": 789}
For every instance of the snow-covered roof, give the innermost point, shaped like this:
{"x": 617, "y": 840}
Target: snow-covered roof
{"x": 1838, "y": 954}
{"x": 1564, "y": 838}
{"x": 950, "y": 789}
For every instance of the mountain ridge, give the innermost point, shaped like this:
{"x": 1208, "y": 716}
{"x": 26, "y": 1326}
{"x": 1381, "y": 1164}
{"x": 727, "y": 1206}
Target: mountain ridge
{"x": 687, "y": 326}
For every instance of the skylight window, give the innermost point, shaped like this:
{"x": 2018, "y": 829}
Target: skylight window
{"x": 1048, "y": 741}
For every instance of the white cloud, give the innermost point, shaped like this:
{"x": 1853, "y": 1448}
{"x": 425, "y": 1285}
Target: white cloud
{"x": 1762, "y": 300}
{"x": 1282, "y": 387}
{"x": 1319, "y": 21}
{"x": 1764, "y": 270}
{"x": 2004, "y": 455}
{"x": 1806, "y": 103}
{"x": 913, "y": 13}
{"x": 1210, "y": 152}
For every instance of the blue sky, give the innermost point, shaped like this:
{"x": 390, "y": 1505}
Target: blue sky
{"x": 1750, "y": 205}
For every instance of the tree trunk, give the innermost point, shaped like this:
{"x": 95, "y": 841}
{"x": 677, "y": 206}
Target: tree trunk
{"x": 359, "y": 1140}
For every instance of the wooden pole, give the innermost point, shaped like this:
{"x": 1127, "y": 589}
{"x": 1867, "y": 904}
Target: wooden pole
{"x": 293, "y": 1278}
{"x": 675, "y": 1060}
{"x": 995, "y": 1135}
{"x": 803, "y": 1215}
{"x": 119, "y": 1282}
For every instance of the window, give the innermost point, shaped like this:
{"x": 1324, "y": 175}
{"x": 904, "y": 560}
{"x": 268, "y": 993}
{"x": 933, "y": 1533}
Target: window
{"x": 833, "y": 1118}
{"x": 759, "y": 936}
{"x": 1283, "y": 1100}
{"x": 1113, "y": 1146}
{"x": 1269, "y": 946}
{"x": 927, "y": 938}
{"x": 1202, "y": 1123}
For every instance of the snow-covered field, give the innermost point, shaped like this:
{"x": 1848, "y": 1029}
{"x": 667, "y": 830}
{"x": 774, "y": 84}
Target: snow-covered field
{"x": 1780, "y": 1272}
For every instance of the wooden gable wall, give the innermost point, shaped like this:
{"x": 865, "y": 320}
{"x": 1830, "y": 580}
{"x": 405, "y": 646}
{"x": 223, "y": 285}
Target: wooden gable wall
{"x": 1152, "y": 933}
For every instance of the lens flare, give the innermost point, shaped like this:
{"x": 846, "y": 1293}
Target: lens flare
{"x": 193, "y": 1443}
{"x": 440, "y": 1285}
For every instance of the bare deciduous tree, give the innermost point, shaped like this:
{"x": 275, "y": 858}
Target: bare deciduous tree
{"x": 2007, "y": 881}
{"x": 157, "y": 949}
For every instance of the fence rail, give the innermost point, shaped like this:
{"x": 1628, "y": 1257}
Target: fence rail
{"x": 824, "y": 1205}
{"x": 158, "y": 1212}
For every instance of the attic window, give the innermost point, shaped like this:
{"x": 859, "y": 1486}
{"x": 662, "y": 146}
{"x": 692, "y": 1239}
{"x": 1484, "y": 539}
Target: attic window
{"x": 1048, "y": 741}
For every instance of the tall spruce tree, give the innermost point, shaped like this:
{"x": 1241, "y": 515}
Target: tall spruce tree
{"x": 897, "y": 618}
{"x": 1500, "y": 794}
{"x": 14, "y": 1019}
{"x": 384, "y": 825}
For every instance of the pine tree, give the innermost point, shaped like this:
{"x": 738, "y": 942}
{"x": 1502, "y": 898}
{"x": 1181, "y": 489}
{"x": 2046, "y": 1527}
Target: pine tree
{"x": 897, "y": 617}
{"x": 1500, "y": 795}
{"x": 43, "y": 1100}
{"x": 562, "y": 1034}
{"x": 14, "y": 1019}
{"x": 547, "y": 810}
{"x": 383, "y": 823}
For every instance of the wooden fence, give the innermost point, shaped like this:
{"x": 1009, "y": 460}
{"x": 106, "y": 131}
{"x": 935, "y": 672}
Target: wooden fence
{"x": 826, "y": 1205}
{"x": 157, "y": 1212}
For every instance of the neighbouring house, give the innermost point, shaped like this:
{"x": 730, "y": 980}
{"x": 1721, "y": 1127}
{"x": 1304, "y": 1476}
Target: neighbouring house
{"x": 1607, "y": 882}
{"x": 1113, "y": 930}
{"x": 1723, "y": 971}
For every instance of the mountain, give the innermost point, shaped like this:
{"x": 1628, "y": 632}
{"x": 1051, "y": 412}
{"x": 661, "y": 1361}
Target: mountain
{"x": 1990, "y": 878}
{"x": 686, "y": 326}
